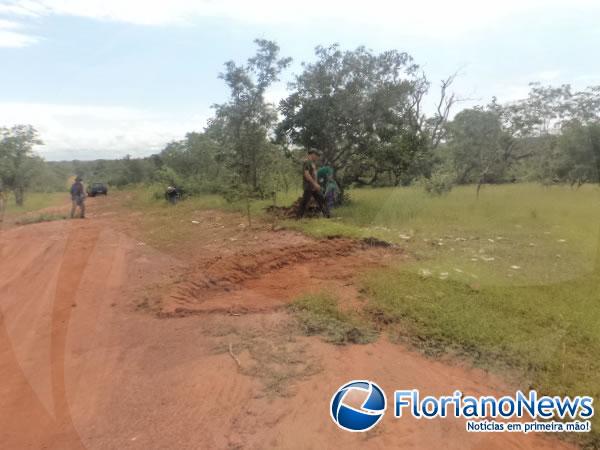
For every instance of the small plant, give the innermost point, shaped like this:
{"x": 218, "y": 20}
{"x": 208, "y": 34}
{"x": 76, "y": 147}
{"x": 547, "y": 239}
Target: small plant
{"x": 242, "y": 193}
{"x": 440, "y": 183}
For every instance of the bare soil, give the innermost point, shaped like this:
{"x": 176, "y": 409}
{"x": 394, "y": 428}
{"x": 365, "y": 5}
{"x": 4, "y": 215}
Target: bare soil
{"x": 109, "y": 343}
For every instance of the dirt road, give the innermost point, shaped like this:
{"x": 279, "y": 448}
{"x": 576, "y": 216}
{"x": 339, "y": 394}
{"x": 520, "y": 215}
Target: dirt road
{"x": 107, "y": 343}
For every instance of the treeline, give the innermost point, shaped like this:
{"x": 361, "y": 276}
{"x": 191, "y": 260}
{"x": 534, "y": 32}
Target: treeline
{"x": 365, "y": 112}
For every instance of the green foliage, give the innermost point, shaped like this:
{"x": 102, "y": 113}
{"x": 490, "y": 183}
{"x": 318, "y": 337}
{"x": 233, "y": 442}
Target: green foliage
{"x": 241, "y": 125}
{"x": 577, "y": 155}
{"x": 439, "y": 183}
{"x": 361, "y": 110}
{"x": 18, "y": 163}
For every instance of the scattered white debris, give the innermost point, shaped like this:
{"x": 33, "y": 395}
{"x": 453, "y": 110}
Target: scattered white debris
{"x": 562, "y": 240}
{"x": 425, "y": 273}
{"x": 474, "y": 259}
{"x": 515, "y": 267}
{"x": 458, "y": 270}
{"x": 195, "y": 222}
{"x": 491, "y": 240}
{"x": 443, "y": 275}
{"x": 406, "y": 237}
{"x": 488, "y": 258}
{"x": 141, "y": 243}
{"x": 460, "y": 239}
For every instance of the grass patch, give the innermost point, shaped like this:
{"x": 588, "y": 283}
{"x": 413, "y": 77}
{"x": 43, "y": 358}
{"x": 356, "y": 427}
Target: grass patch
{"x": 269, "y": 352}
{"x": 166, "y": 226}
{"x": 549, "y": 334}
{"x": 320, "y": 314}
{"x": 35, "y": 201}
{"x": 44, "y": 217}
{"x": 514, "y": 234}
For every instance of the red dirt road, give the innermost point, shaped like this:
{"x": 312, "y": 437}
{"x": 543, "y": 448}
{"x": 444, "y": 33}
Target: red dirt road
{"x": 94, "y": 352}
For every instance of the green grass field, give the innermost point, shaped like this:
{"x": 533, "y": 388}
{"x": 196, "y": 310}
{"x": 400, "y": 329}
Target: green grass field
{"x": 35, "y": 201}
{"x": 515, "y": 234}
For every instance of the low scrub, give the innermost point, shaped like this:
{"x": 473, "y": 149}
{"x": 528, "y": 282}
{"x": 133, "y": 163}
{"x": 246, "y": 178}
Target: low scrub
{"x": 321, "y": 314}
{"x": 45, "y": 217}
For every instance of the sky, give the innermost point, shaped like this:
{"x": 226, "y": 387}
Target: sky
{"x": 107, "y": 78}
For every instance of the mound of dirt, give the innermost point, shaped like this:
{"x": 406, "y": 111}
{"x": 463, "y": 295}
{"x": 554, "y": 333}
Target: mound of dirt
{"x": 227, "y": 274}
{"x": 291, "y": 212}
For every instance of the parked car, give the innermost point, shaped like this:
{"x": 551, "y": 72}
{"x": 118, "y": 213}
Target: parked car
{"x": 97, "y": 188}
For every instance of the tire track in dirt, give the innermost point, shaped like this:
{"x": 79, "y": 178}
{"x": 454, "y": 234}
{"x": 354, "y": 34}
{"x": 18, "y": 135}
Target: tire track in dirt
{"x": 79, "y": 247}
{"x": 54, "y": 289}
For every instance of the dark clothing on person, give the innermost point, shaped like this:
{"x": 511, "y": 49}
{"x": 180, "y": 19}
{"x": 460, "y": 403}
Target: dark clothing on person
{"x": 77, "y": 198}
{"x": 308, "y": 193}
{"x": 172, "y": 194}
{"x": 309, "y": 167}
{"x": 309, "y": 190}
{"x": 77, "y": 190}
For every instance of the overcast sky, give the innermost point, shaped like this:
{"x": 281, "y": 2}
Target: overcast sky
{"x": 106, "y": 78}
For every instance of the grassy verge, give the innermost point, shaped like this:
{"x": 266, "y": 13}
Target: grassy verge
{"x": 44, "y": 217}
{"x": 35, "y": 201}
{"x": 549, "y": 335}
{"x": 165, "y": 225}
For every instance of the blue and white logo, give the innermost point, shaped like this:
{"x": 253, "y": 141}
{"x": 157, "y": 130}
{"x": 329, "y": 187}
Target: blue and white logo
{"x": 353, "y": 419}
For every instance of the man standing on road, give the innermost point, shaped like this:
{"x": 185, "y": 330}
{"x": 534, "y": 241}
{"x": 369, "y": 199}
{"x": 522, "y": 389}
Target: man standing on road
{"x": 310, "y": 184}
{"x": 77, "y": 197}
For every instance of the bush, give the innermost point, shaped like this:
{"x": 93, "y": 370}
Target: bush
{"x": 440, "y": 183}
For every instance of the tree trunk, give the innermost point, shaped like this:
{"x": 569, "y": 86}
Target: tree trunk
{"x": 19, "y": 196}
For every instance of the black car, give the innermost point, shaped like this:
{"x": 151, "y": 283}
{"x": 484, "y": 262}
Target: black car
{"x": 97, "y": 188}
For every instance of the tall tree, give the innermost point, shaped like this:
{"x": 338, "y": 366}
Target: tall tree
{"x": 18, "y": 162}
{"x": 363, "y": 111}
{"x": 243, "y": 123}
{"x": 481, "y": 150}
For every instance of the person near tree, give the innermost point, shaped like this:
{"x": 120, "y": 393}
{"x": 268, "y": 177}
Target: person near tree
{"x": 311, "y": 187}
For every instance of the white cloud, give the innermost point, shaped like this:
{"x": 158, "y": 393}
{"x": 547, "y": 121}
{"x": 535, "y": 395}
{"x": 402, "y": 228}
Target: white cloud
{"x": 11, "y": 35}
{"x": 432, "y": 18}
{"x": 90, "y": 132}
